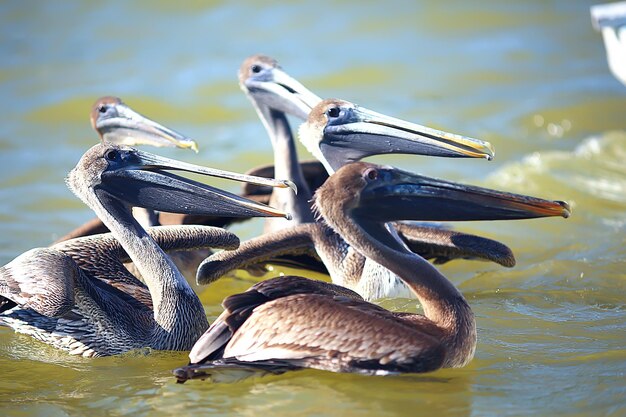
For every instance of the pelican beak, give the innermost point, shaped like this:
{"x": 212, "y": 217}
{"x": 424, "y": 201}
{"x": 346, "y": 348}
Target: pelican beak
{"x": 124, "y": 126}
{"x": 140, "y": 179}
{"x": 359, "y": 132}
{"x": 400, "y": 195}
{"x": 278, "y": 91}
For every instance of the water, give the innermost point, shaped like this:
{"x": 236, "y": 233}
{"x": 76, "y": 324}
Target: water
{"x": 530, "y": 77}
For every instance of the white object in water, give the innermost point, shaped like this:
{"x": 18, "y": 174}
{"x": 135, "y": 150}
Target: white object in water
{"x": 610, "y": 19}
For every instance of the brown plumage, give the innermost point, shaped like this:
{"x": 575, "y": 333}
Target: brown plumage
{"x": 316, "y": 247}
{"x": 77, "y": 296}
{"x": 293, "y": 322}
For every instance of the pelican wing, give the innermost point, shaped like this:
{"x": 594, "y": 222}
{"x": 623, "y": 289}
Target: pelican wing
{"x": 102, "y": 256}
{"x": 297, "y": 322}
{"x": 95, "y": 225}
{"x": 333, "y": 333}
{"x": 40, "y": 279}
{"x": 239, "y": 307}
{"x": 267, "y": 248}
{"x": 445, "y": 245}
{"x": 93, "y": 252}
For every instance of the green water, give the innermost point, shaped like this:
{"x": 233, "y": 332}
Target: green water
{"x": 530, "y": 77}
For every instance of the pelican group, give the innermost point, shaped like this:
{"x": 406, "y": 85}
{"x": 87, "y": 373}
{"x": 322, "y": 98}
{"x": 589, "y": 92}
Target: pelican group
{"x": 338, "y": 132}
{"x": 353, "y": 219}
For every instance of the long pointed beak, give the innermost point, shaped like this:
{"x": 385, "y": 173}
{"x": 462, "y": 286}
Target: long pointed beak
{"x": 131, "y": 128}
{"x": 282, "y": 93}
{"x": 365, "y": 133}
{"x": 152, "y": 161}
{"x": 142, "y": 181}
{"x": 407, "y": 196}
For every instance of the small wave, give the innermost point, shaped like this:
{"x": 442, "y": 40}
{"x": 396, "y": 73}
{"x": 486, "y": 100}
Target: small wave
{"x": 596, "y": 168}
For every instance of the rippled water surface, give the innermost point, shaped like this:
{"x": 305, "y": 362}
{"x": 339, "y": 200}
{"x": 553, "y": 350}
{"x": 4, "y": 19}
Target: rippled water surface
{"x": 531, "y": 77}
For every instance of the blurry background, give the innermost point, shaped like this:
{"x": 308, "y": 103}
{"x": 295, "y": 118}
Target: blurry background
{"x": 531, "y": 77}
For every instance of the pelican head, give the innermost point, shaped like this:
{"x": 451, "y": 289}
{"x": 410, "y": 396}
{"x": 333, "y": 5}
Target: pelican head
{"x": 373, "y": 195}
{"x": 269, "y": 87}
{"x": 338, "y": 132}
{"x": 140, "y": 179}
{"x": 117, "y": 123}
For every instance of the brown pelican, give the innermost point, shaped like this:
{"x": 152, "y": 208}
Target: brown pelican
{"x": 274, "y": 94}
{"x": 288, "y": 323}
{"x": 352, "y": 269}
{"x": 338, "y": 133}
{"x": 45, "y": 293}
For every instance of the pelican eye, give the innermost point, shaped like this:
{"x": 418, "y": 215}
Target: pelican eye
{"x": 102, "y": 108}
{"x": 333, "y": 112}
{"x": 256, "y": 68}
{"x": 371, "y": 174}
{"x": 111, "y": 155}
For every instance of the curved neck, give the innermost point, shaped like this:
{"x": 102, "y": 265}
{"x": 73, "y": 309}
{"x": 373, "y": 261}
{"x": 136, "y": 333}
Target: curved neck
{"x": 286, "y": 166}
{"x": 443, "y": 304}
{"x": 177, "y": 309}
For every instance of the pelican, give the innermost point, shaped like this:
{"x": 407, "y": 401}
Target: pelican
{"x": 353, "y": 269}
{"x": 291, "y": 323}
{"x": 45, "y": 293}
{"x": 274, "y": 94}
{"x": 338, "y": 132}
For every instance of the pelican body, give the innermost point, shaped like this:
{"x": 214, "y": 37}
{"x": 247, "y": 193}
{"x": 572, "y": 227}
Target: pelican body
{"x": 86, "y": 303}
{"x": 293, "y": 322}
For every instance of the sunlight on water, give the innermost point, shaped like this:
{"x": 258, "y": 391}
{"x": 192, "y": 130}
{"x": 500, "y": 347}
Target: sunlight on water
{"x": 530, "y": 77}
